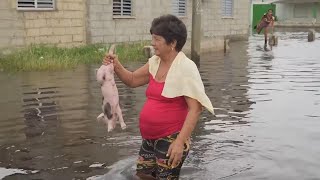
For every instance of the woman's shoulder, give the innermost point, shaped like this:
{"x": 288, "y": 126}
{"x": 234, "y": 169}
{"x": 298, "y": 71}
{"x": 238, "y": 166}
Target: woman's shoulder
{"x": 153, "y": 59}
{"x": 153, "y": 64}
{"x": 187, "y": 66}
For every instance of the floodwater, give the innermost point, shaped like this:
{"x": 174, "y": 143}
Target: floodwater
{"x": 266, "y": 124}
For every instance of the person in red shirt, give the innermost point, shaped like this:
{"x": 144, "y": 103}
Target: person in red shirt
{"x": 266, "y": 21}
{"x": 165, "y": 123}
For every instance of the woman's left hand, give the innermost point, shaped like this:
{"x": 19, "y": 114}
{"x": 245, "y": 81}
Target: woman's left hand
{"x": 175, "y": 153}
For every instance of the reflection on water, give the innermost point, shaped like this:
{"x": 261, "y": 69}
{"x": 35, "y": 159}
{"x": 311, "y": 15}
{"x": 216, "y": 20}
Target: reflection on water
{"x": 265, "y": 127}
{"x": 39, "y": 108}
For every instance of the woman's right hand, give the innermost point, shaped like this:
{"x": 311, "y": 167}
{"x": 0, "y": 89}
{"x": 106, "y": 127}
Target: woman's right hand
{"x": 111, "y": 58}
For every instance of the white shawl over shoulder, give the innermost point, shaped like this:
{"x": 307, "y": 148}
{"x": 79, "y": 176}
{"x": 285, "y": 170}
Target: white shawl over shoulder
{"x": 183, "y": 79}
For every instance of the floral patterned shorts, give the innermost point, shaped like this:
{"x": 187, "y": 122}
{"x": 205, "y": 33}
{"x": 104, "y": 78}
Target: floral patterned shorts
{"x": 153, "y": 161}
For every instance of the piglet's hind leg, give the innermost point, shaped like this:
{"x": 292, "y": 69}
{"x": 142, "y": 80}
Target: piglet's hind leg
{"x": 111, "y": 123}
{"x": 119, "y": 112}
{"x": 100, "y": 117}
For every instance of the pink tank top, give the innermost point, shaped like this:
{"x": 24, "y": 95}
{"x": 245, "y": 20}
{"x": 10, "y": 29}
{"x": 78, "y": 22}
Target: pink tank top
{"x": 161, "y": 116}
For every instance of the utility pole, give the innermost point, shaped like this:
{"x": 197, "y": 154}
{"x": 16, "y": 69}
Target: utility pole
{"x": 196, "y": 31}
{"x": 314, "y": 12}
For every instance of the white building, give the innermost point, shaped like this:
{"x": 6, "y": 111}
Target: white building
{"x": 298, "y": 13}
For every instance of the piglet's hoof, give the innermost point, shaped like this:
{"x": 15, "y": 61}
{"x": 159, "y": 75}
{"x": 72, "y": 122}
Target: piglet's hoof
{"x": 100, "y": 117}
{"x": 111, "y": 125}
{"x": 123, "y": 126}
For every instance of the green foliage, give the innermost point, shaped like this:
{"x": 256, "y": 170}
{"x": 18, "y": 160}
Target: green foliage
{"x": 50, "y": 58}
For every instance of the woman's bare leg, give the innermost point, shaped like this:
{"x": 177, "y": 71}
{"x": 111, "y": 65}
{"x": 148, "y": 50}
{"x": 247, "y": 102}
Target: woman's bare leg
{"x": 265, "y": 35}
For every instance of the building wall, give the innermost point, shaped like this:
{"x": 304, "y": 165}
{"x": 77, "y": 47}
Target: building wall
{"x": 11, "y": 25}
{"x": 216, "y": 27}
{"x": 104, "y": 28}
{"x": 215, "y": 24}
{"x": 64, "y": 26}
{"x": 76, "y": 22}
{"x": 288, "y": 16}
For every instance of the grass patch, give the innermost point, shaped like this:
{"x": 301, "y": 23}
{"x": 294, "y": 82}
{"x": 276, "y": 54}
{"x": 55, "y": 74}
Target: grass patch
{"x": 51, "y": 58}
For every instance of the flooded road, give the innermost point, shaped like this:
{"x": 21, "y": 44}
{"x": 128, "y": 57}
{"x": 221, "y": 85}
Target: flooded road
{"x": 266, "y": 124}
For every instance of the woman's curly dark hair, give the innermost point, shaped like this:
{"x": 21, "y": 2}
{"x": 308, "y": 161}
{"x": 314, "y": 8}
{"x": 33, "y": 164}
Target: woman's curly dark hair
{"x": 170, "y": 28}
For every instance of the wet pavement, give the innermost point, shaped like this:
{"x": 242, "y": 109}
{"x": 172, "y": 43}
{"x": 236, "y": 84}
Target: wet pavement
{"x": 266, "y": 124}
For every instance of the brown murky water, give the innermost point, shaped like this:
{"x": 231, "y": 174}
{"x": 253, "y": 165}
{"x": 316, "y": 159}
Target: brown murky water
{"x": 266, "y": 125}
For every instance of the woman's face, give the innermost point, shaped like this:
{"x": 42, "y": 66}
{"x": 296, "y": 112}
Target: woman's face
{"x": 160, "y": 45}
